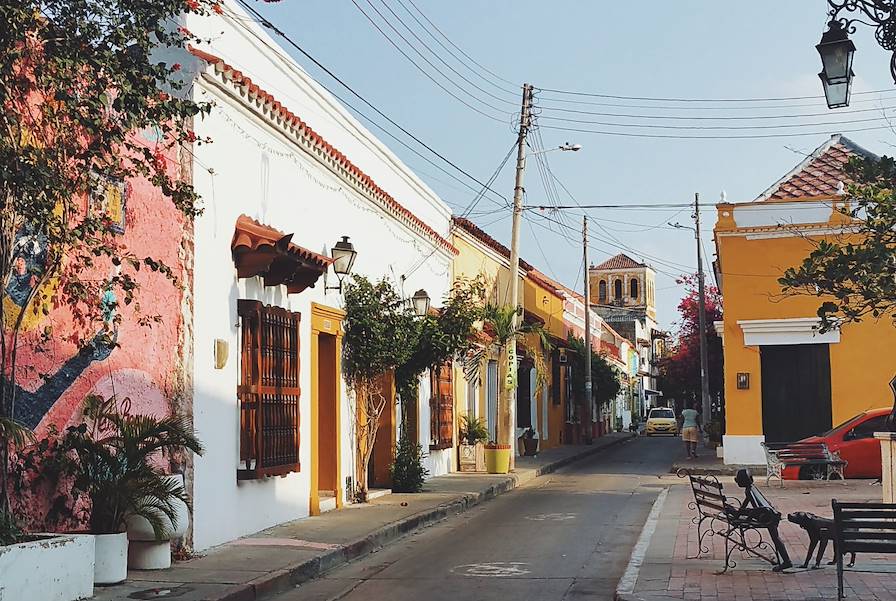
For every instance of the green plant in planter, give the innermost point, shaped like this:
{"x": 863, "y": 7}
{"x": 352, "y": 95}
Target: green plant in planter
{"x": 115, "y": 457}
{"x": 472, "y": 430}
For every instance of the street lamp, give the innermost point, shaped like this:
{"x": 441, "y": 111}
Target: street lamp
{"x": 343, "y": 254}
{"x": 836, "y": 51}
{"x": 566, "y": 147}
{"x": 420, "y": 301}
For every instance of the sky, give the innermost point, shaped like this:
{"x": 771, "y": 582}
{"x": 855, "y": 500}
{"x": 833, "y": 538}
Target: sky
{"x": 687, "y": 49}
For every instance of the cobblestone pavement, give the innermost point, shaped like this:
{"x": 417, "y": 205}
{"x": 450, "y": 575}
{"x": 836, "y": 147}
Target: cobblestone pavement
{"x": 674, "y": 568}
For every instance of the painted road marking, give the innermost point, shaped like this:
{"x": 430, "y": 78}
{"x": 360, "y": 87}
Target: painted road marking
{"x": 494, "y": 569}
{"x": 630, "y": 577}
{"x": 552, "y": 517}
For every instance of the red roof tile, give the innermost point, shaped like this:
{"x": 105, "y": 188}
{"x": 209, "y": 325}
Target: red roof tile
{"x": 475, "y": 231}
{"x": 820, "y": 174}
{"x": 277, "y": 107}
{"x": 620, "y": 261}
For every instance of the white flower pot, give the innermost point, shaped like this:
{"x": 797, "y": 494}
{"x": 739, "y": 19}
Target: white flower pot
{"x": 111, "y": 558}
{"x": 54, "y": 567}
{"x": 146, "y": 552}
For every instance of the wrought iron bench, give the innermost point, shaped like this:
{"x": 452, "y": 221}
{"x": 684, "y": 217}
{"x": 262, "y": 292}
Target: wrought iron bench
{"x": 862, "y": 528}
{"x": 823, "y": 462}
{"x": 739, "y": 525}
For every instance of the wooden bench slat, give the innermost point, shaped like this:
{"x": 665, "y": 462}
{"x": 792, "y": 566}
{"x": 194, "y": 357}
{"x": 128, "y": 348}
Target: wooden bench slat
{"x": 868, "y": 547}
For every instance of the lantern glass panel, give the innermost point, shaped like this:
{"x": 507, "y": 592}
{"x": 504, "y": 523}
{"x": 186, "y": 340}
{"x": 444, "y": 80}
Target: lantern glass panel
{"x": 837, "y": 95}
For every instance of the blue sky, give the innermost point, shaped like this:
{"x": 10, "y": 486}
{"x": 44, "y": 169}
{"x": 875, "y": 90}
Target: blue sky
{"x": 681, "y": 49}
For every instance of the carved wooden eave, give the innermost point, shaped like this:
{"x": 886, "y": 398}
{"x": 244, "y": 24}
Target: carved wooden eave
{"x": 260, "y": 250}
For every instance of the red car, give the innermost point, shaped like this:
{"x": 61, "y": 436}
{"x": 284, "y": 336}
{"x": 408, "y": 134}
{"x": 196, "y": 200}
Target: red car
{"x": 854, "y": 440}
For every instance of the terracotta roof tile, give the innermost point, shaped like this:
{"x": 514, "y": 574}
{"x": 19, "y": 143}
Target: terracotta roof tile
{"x": 475, "y": 231}
{"x": 820, "y": 174}
{"x": 290, "y": 118}
{"x": 620, "y": 261}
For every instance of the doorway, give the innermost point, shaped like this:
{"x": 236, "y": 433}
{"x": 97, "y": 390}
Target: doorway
{"x": 796, "y": 391}
{"x": 378, "y": 475}
{"x": 327, "y": 431}
{"x": 491, "y": 391}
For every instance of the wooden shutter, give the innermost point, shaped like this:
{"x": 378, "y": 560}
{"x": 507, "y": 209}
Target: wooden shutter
{"x": 441, "y": 408}
{"x": 555, "y": 378}
{"x": 269, "y": 390}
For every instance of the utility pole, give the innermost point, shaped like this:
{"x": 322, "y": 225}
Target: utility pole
{"x": 589, "y": 397}
{"x": 506, "y": 426}
{"x": 701, "y": 311}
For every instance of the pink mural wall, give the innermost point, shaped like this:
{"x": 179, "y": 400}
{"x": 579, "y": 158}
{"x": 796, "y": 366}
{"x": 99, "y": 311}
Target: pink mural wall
{"x": 59, "y": 364}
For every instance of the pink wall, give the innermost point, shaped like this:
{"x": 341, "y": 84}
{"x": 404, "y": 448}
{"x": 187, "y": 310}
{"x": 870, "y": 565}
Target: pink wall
{"x": 55, "y": 374}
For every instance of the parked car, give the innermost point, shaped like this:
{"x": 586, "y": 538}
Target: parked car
{"x": 854, "y": 440}
{"x": 661, "y": 420}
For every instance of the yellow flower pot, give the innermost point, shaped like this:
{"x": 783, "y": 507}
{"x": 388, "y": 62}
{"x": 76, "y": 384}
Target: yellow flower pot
{"x": 497, "y": 458}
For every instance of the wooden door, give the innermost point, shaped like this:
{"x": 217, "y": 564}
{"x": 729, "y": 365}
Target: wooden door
{"x": 796, "y": 391}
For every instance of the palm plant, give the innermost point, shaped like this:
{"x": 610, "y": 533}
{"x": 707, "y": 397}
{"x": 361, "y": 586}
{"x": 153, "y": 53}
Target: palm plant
{"x": 472, "y": 430}
{"x": 502, "y": 325}
{"x": 117, "y": 470}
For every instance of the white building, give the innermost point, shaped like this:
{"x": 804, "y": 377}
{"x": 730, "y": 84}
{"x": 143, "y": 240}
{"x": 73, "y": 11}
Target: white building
{"x": 287, "y": 158}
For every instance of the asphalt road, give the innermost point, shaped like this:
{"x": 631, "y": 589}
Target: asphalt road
{"x": 567, "y": 535}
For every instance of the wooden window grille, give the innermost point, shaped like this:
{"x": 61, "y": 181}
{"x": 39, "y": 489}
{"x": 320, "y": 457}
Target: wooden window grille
{"x": 441, "y": 407}
{"x": 268, "y": 390}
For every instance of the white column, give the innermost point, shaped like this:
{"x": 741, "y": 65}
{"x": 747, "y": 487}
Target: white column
{"x": 888, "y": 464}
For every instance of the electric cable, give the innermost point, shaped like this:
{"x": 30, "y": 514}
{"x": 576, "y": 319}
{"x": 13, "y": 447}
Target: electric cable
{"x": 659, "y": 99}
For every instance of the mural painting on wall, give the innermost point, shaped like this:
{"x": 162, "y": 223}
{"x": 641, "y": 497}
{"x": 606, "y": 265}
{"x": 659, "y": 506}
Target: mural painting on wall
{"x": 119, "y": 357}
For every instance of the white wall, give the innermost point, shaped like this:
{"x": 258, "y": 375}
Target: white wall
{"x": 259, "y": 173}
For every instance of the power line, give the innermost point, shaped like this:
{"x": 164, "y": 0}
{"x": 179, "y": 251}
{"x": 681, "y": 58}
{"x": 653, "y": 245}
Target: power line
{"x": 436, "y": 54}
{"x": 459, "y": 49}
{"x": 715, "y": 118}
{"x": 267, "y": 24}
{"x": 490, "y": 181}
{"x": 711, "y": 137}
{"x": 714, "y": 127}
{"x": 424, "y": 71}
{"x": 657, "y": 99}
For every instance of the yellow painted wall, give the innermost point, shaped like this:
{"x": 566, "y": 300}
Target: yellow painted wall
{"x": 860, "y": 365}
{"x": 471, "y": 262}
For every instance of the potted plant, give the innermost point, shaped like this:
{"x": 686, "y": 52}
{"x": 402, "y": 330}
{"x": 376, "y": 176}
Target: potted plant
{"x": 118, "y": 458}
{"x": 530, "y": 442}
{"x": 471, "y": 452}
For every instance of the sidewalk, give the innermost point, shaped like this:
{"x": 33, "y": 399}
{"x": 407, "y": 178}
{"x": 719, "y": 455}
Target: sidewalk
{"x": 661, "y": 569}
{"x": 708, "y": 463}
{"x": 281, "y": 557}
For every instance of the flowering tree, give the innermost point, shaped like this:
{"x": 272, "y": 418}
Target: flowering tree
{"x": 680, "y": 368}
{"x": 78, "y": 78}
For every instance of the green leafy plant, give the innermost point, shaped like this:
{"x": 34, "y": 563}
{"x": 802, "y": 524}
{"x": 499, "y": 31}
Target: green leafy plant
{"x": 10, "y": 531}
{"x": 472, "y": 430}
{"x": 605, "y": 380}
{"x": 408, "y": 473}
{"x": 116, "y": 469}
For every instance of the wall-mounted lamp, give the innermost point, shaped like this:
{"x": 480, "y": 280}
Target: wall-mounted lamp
{"x": 420, "y": 302}
{"x": 344, "y": 254}
{"x": 743, "y": 380}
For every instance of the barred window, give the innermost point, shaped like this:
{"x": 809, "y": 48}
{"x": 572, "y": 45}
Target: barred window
{"x": 268, "y": 390}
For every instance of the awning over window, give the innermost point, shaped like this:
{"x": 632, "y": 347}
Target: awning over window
{"x": 260, "y": 250}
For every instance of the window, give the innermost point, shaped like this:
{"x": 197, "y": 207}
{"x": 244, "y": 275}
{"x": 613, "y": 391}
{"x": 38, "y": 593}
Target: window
{"x": 602, "y": 292}
{"x": 633, "y": 288}
{"x": 868, "y": 427}
{"x": 617, "y": 289}
{"x": 268, "y": 390}
{"x": 441, "y": 408}
{"x": 661, "y": 413}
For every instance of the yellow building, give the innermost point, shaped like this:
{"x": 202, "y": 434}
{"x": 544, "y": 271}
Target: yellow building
{"x": 481, "y": 255}
{"x": 784, "y": 380}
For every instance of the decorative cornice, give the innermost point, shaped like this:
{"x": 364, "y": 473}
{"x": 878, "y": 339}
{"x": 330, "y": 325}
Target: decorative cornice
{"x": 314, "y": 144}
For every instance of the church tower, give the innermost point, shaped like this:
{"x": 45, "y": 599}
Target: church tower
{"x": 623, "y": 282}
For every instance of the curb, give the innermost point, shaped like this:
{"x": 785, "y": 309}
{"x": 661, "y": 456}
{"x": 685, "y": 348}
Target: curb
{"x": 291, "y": 576}
{"x": 626, "y": 587}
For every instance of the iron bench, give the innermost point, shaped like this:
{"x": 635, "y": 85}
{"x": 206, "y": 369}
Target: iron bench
{"x": 862, "y": 528}
{"x": 739, "y": 525}
{"x": 823, "y": 462}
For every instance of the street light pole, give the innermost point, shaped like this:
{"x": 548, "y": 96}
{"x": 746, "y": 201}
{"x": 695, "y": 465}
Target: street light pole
{"x": 506, "y": 423}
{"x": 589, "y": 397}
{"x": 701, "y": 312}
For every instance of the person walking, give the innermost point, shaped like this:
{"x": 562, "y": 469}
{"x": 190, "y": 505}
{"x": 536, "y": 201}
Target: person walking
{"x": 690, "y": 429}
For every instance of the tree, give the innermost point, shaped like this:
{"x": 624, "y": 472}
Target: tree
{"x": 680, "y": 368}
{"x": 853, "y": 273}
{"x": 77, "y": 79}
{"x": 604, "y": 378}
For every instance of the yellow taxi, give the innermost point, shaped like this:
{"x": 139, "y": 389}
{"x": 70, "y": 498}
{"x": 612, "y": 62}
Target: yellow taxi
{"x": 661, "y": 420}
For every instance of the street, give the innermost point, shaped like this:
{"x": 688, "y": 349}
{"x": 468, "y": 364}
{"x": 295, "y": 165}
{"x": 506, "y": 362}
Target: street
{"x": 567, "y": 535}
